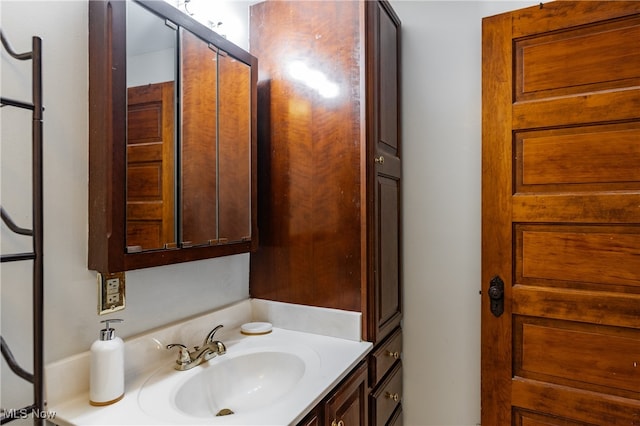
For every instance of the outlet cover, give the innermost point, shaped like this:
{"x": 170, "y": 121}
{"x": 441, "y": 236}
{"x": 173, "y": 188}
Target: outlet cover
{"x": 110, "y": 293}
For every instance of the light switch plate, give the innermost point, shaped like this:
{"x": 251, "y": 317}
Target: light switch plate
{"x": 110, "y": 293}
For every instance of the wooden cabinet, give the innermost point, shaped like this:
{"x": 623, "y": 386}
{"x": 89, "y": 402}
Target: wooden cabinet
{"x": 346, "y": 404}
{"x": 384, "y": 305}
{"x": 388, "y": 353}
{"x": 362, "y": 398}
{"x": 329, "y": 166}
{"x": 314, "y": 418}
{"x": 385, "y": 379}
{"x": 172, "y": 155}
{"x": 386, "y": 397}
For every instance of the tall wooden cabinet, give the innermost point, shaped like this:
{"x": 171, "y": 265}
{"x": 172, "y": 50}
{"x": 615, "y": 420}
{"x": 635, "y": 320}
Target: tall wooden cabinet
{"x": 329, "y": 169}
{"x": 329, "y": 158}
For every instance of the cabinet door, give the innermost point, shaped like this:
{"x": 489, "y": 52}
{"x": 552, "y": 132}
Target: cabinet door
{"x": 310, "y": 165}
{"x": 347, "y": 406}
{"x": 153, "y": 164}
{"x": 312, "y": 419}
{"x": 384, "y": 161}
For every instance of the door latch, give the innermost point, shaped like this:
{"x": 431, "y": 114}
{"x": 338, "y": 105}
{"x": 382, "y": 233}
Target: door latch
{"x": 496, "y": 295}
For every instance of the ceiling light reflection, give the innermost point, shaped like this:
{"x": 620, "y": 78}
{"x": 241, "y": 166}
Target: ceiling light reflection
{"x": 314, "y": 79}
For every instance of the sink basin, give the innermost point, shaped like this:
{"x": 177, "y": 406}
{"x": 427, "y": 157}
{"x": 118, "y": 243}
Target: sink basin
{"x": 248, "y": 384}
{"x": 239, "y": 385}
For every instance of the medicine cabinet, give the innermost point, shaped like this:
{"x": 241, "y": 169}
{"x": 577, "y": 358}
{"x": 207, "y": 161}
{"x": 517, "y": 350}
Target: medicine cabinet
{"x": 172, "y": 143}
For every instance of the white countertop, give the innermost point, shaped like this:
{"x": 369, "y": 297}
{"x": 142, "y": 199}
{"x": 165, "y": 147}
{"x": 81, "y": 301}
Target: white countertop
{"x": 147, "y": 363}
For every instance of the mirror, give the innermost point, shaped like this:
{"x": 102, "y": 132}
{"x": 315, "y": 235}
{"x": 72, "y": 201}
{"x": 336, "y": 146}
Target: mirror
{"x": 172, "y": 150}
{"x": 151, "y": 130}
{"x": 199, "y": 94}
{"x": 234, "y": 169}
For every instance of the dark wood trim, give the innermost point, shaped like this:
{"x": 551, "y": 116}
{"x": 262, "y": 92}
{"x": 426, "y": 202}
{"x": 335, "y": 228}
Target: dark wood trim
{"x": 107, "y": 118}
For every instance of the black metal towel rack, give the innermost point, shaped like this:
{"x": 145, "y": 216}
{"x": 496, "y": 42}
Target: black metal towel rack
{"x": 37, "y": 409}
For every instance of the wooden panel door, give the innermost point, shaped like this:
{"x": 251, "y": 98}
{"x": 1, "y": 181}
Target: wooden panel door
{"x": 311, "y": 167}
{"x": 347, "y": 405}
{"x": 561, "y": 215}
{"x": 383, "y": 61}
{"x": 150, "y": 166}
{"x": 312, "y": 419}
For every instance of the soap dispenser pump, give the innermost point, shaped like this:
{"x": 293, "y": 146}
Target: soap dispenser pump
{"x": 106, "y": 378}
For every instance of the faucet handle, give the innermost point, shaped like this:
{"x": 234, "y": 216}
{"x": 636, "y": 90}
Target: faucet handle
{"x": 209, "y": 338}
{"x": 220, "y": 347}
{"x": 183, "y": 356}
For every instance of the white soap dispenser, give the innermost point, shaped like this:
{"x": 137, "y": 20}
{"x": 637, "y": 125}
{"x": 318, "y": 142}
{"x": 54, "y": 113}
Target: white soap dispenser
{"x": 106, "y": 378}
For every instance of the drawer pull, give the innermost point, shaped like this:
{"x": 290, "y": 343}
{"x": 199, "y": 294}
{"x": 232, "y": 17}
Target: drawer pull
{"x": 393, "y": 396}
{"x": 338, "y": 423}
{"x": 394, "y": 355}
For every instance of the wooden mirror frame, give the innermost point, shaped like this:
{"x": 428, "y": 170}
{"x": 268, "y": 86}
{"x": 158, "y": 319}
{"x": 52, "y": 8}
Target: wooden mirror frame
{"x": 107, "y": 141}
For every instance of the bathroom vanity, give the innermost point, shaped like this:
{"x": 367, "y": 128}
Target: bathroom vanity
{"x": 303, "y": 365}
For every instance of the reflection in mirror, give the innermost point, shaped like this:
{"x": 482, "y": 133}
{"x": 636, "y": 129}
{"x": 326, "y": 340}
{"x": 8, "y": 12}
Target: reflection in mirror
{"x": 151, "y": 139}
{"x": 198, "y": 150}
{"x": 234, "y": 146}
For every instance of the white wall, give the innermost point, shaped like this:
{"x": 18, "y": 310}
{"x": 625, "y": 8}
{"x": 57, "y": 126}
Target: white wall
{"x": 155, "y": 296}
{"x": 441, "y": 106}
{"x": 151, "y": 68}
{"x": 442, "y": 137}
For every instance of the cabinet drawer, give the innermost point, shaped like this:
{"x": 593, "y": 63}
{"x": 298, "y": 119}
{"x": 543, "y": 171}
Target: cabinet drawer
{"x": 386, "y": 397}
{"x": 396, "y": 418}
{"x": 385, "y": 356}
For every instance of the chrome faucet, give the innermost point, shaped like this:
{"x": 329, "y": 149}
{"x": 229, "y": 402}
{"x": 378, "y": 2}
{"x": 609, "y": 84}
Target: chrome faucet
{"x": 210, "y": 348}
